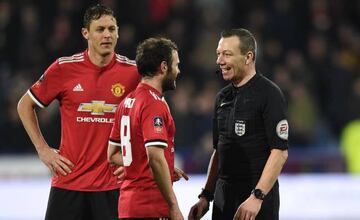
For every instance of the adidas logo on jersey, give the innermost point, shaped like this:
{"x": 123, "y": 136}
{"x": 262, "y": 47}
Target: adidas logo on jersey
{"x": 78, "y": 88}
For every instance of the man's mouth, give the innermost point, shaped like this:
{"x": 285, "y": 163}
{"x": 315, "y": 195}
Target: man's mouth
{"x": 107, "y": 44}
{"x": 226, "y": 69}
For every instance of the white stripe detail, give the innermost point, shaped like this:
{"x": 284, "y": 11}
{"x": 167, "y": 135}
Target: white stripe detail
{"x": 71, "y": 61}
{"x": 79, "y": 55}
{"x": 114, "y": 143}
{"x": 66, "y": 59}
{"x": 126, "y": 61}
{"x": 35, "y": 100}
{"x": 156, "y": 143}
{"x": 79, "y": 58}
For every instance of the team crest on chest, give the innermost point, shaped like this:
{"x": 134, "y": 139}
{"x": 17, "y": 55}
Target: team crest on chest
{"x": 240, "y": 127}
{"x": 117, "y": 89}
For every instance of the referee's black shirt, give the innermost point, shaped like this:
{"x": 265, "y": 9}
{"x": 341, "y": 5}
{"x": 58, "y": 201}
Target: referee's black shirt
{"x": 249, "y": 121}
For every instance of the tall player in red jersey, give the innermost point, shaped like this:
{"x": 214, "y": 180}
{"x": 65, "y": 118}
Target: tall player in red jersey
{"x": 89, "y": 86}
{"x": 144, "y": 133}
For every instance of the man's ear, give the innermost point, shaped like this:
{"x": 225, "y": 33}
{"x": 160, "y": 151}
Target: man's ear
{"x": 249, "y": 57}
{"x": 85, "y": 33}
{"x": 163, "y": 66}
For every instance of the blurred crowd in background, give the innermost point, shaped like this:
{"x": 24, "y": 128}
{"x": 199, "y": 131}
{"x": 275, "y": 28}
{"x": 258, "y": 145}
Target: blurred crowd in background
{"x": 310, "y": 48}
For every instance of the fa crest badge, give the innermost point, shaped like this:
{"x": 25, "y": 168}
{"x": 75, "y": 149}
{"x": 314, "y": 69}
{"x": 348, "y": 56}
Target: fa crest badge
{"x": 158, "y": 124}
{"x": 240, "y": 127}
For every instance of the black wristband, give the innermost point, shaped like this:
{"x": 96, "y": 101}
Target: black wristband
{"x": 207, "y": 195}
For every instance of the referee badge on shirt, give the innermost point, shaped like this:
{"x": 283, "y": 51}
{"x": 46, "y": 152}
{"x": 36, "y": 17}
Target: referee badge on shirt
{"x": 158, "y": 124}
{"x": 240, "y": 127}
{"x": 282, "y": 129}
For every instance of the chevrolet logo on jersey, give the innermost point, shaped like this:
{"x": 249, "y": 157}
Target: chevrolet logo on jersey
{"x": 97, "y": 107}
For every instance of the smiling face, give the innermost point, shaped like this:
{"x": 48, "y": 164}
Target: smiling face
{"x": 102, "y": 35}
{"x": 230, "y": 59}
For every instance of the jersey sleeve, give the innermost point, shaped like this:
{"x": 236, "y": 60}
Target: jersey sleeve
{"x": 154, "y": 123}
{"x": 48, "y": 87}
{"x": 114, "y": 138}
{"x": 275, "y": 119}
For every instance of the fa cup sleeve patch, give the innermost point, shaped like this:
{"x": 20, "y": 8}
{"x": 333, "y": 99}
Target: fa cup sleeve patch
{"x": 282, "y": 129}
{"x": 158, "y": 124}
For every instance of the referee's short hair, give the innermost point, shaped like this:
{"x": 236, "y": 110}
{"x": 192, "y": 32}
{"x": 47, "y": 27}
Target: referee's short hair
{"x": 247, "y": 40}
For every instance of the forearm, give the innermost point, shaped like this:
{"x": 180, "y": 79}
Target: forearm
{"x": 27, "y": 114}
{"x": 114, "y": 155}
{"x": 212, "y": 172}
{"x": 162, "y": 177}
{"x": 272, "y": 169}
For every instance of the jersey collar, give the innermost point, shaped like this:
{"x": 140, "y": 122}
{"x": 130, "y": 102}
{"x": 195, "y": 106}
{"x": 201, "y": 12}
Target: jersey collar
{"x": 148, "y": 87}
{"x": 88, "y": 61}
{"x": 248, "y": 83}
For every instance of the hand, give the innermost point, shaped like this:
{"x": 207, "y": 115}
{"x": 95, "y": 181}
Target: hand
{"x": 249, "y": 209}
{"x": 178, "y": 174}
{"x": 199, "y": 209}
{"x": 175, "y": 213}
{"x": 120, "y": 172}
{"x": 54, "y": 161}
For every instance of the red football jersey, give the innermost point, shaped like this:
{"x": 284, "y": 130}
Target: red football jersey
{"x": 88, "y": 97}
{"x": 143, "y": 119}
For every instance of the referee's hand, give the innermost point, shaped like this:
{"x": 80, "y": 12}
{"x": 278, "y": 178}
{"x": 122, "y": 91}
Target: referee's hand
{"x": 198, "y": 210}
{"x": 249, "y": 209}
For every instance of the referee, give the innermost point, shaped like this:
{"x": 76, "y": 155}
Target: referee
{"x": 250, "y": 136}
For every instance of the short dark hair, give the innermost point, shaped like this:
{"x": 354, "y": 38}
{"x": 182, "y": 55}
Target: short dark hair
{"x": 95, "y": 12}
{"x": 247, "y": 40}
{"x": 151, "y": 52}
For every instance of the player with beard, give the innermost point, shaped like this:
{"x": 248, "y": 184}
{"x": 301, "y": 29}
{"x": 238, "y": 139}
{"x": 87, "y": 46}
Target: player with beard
{"x": 142, "y": 138}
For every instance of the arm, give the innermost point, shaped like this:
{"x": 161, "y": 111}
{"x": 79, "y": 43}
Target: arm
{"x": 251, "y": 207}
{"x": 49, "y": 156}
{"x": 160, "y": 170}
{"x": 202, "y": 206}
{"x": 272, "y": 169}
{"x": 115, "y": 158}
{"x": 114, "y": 155}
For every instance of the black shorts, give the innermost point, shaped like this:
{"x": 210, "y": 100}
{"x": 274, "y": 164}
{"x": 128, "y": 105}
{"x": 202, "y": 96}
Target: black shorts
{"x": 77, "y": 205}
{"x": 229, "y": 196}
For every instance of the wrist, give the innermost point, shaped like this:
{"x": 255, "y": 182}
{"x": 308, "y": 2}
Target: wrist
{"x": 258, "y": 194}
{"x": 207, "y": 195}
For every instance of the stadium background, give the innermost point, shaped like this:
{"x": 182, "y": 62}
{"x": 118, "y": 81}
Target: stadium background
{"x": 310, "y": 48}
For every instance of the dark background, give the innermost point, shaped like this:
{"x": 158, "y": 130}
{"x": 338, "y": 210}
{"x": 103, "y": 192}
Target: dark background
{"x": 310, "y": 48}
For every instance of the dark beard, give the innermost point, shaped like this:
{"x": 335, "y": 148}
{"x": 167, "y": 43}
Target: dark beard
{"x": 169, "y": 81}
{"x": 168, "y": 84}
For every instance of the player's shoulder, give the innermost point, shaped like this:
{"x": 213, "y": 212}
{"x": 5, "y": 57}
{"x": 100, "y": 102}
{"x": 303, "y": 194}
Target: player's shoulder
{"x": 123, "y": 60}
{"x": 151, "y": 98}
{"x": 75, "y": 58}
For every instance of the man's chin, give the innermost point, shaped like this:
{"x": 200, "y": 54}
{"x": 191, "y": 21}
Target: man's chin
{"x": 226, "y": 78}
{"x": 106, "y": 52}
{"x": 169, "y": 87}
